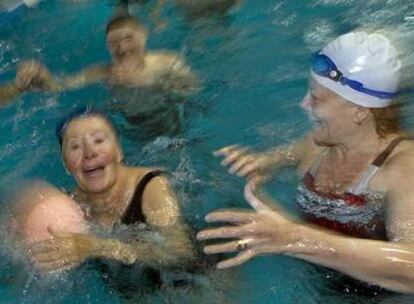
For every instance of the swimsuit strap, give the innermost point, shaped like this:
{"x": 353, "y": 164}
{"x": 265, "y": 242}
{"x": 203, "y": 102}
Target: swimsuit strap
{"x": 318, "y": 162}
{"x": 134, "y": 213}
{"x": 382, "y": 157}
{"x": 362, "y": 184}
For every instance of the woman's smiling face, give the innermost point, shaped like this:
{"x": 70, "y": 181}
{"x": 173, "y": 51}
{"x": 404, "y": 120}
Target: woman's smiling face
{"x": 91, "y": 153}
{"x": 332, "y": 115}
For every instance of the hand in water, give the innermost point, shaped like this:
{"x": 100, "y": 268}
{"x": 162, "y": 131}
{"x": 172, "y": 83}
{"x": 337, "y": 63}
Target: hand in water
{"x": 244, "y": 163}
{"x": 62, "y": 252}
{"x": 33, "y": 76}
{"x": 262, "y": 231}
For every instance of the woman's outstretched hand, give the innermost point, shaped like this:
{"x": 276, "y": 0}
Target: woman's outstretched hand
{"x": 262, "y": 231}
{"x": 245, "y": 163}
{"x": 63, "y": 251}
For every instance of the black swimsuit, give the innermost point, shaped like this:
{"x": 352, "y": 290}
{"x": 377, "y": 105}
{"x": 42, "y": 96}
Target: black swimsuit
{"x": 130, "y": 280}
{"x": 134, "y": 213}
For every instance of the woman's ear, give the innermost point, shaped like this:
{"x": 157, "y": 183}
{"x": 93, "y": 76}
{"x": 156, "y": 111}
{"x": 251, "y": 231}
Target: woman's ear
{"x": 64, "y": 165}
{"x": 360, "y": 115}
{"x": 119, "y": 155}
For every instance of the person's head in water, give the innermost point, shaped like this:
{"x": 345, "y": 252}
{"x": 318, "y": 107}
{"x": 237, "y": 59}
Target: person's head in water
{"x": 90, "y": 150}
{"x": 354, "y": 81}
{"x": 126, "y": 38}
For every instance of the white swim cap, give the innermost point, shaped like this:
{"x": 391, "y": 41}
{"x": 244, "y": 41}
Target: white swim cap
{"x": 367, "y": 58}
{"x": 31, "y": 3}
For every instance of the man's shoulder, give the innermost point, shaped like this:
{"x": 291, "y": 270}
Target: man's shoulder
{"x": 162, "y": 57}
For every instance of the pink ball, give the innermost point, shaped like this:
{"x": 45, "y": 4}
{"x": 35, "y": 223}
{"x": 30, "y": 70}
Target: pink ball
{"x": 58, "y": 212}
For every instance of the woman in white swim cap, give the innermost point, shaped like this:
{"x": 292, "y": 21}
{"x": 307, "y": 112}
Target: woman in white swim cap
{"x": 356, "y": 174}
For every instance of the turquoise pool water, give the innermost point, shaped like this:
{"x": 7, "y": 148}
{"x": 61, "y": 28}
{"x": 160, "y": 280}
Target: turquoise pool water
{"x": 254, "y": 66}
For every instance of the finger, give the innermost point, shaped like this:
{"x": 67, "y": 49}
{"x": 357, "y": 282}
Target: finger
{"x": 54, "y": 266}
{"x": 226, "y": 150}
{"x": 51, "y": 256}
{"x": 233, "y": 217}
{"x": 221, "y": 248}
{"x": 55, "y": 233}
{"x": 249, "y": 168}
{"x": 29, "y": 74}
{"x": 223, "y": 233}
{"x": 19, "y": 83}
{"x": 58, "y": 234}
{"x": 234, "y": 156}
{"x": 253, "y": 201}
{"x": 51, "y": 231}
{"x": 44, "y": 246}
{"x": 240, "y": 164}
{"x": 25, "y": 80}
{"x": 241, "y": 258}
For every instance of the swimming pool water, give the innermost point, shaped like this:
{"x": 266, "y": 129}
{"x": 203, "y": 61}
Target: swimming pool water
{"x": 254, "y": 66}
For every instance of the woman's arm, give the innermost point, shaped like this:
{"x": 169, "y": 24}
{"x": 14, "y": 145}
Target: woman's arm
{"x": 387, "y": 264}
{"x": 162, "y": 211}
{"x": 172, "y": 246}
{"x": 245, "y": 163}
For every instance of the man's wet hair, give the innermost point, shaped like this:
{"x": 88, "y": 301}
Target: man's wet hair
{"x": 122, "y": 20}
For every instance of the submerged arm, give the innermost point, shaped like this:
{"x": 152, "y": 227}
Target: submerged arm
{"x": 387, "y": 264}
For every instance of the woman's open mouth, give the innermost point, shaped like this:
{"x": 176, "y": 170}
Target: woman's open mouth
{"x": 314, "y": 120}
{"x": 93, "y": 172}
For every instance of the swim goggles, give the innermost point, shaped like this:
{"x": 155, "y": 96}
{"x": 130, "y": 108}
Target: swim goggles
{"x": 323, "y": 66}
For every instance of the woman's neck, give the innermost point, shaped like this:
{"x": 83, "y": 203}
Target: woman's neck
{"x": 364, "y": 143}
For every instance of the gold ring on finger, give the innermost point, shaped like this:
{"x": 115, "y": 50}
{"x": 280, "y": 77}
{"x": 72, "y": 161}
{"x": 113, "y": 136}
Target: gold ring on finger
{"x": 241, "y": 245}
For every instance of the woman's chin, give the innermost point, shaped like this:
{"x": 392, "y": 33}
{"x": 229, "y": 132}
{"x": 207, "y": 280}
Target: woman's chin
{"x": 319, "y": 138}
{"x": 95, "y": 186}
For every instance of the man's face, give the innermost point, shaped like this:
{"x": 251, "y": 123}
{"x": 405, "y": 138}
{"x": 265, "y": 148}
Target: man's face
{"x": 126, "y": 41}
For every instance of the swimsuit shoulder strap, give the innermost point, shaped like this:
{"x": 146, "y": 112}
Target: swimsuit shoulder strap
{"x": 134, "y": 213}
{"x": 382, "y": 157}
{"x": 314, "y": 169}
{"x": 373, "y": 168}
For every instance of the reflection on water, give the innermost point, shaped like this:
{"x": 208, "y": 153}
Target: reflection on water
{"x": 254, "y": 66}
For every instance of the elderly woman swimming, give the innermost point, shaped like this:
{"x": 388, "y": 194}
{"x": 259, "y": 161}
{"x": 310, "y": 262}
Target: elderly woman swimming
{"x": 356, "y": 167}
{"x": 114, "y": 196}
